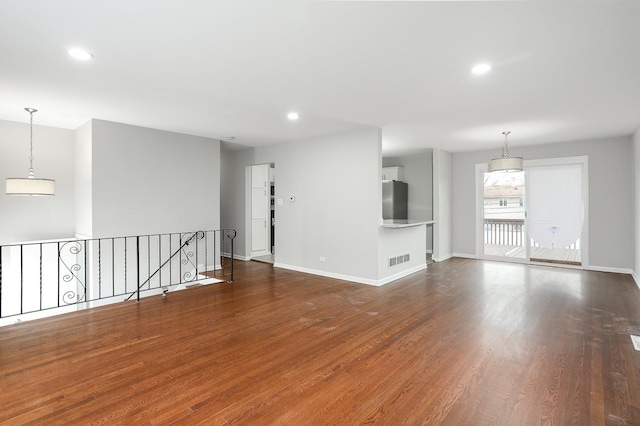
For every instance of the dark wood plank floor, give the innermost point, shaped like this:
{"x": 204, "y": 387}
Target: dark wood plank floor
{"x": 463, "y": 342}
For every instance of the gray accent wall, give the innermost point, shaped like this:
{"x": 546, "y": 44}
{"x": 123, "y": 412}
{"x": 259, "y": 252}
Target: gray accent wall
{"x": 25, "y": 218}
{"x": 611, "y": 195}
{"x": 418, "y": 173}
{"x": 147, "y": 181}
{"x": 233, "y": 202}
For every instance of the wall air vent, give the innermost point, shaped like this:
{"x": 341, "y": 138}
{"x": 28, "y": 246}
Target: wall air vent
{"x": 399, "y": 260}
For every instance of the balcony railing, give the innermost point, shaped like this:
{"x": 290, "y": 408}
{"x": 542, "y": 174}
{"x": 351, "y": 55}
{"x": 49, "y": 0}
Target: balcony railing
{"x": 508, "y": 232}
{"x": 73, "y": 274}
{"x": 506, "y": 238}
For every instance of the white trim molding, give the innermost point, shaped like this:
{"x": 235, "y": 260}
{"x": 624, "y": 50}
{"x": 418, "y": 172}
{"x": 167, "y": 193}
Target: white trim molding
{"x": 236, "y": 257}
{"x": 359, "y": 280}
{"x": 463, "y": 255}
{"x": 402, "y": 274}
{"x": 636, "y": 279}
{"x": 608, "y": 269}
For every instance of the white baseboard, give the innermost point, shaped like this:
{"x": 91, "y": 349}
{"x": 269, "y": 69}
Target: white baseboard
{"x": 236, "y": 257}
{"x": 464, "y": 255}
{"x": 359, "y": 280}
{"x": 351, "y": 278}
{"x": 635, "y": 278}
{"x": 402, "y": 274}
{"x": 609, "y": 269}
{"x": 443, "y": 258}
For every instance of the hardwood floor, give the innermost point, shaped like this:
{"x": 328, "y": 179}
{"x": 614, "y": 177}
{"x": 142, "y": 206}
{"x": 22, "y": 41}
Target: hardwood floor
{"x": 463, "y": 342}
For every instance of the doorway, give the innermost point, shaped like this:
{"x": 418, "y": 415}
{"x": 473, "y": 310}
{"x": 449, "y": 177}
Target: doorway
{"x": 537, "y": 215}
{"x": 262, "y": 212}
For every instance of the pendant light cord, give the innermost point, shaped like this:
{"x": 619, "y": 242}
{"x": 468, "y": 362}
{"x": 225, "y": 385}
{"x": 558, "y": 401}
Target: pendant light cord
{"x": 505, "y": 151}
{"x": 31, "y": 111}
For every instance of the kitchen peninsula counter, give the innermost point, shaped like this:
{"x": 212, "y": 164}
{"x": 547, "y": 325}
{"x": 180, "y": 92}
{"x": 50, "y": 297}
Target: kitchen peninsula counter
{"x": 404, "y": 223}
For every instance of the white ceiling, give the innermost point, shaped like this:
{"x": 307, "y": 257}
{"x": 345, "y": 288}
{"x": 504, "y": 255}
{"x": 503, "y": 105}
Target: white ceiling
{"x": 562, "y": 70}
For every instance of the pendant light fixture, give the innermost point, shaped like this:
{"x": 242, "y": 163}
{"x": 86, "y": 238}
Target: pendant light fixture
{"x": 506, "y": 163}
{"x": 30, "y": 185}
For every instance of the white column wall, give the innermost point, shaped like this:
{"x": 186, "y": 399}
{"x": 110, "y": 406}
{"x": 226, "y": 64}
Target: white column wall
{"x": 442, "y": 205}
{"x": 83, "y": 180}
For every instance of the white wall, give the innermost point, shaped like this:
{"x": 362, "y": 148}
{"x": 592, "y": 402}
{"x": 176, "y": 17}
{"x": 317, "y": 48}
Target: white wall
{"x": 83, "y": 180}
{"x": 610, "y": 196}
{"x": 398, "y": 242}
{"x": 148, "y": 181}
{"x": 443, "y": 205}
{"x": 338, "y": 203}
{"x": 37, "y": 218}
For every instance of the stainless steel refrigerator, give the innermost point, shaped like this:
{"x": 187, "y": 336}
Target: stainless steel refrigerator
{"x": 395, "y": 203}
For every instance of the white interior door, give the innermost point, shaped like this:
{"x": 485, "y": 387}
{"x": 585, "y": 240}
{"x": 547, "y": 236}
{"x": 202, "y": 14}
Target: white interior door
{"x": 260, "y": 212}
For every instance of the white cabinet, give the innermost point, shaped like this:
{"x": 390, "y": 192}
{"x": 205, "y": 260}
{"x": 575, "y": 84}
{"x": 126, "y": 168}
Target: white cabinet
{"x": 259, "y": 176}
{"x": 393, "y": 173}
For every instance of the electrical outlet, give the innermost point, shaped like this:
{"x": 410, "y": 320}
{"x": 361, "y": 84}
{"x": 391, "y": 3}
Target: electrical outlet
{"x": 322, "y": 258}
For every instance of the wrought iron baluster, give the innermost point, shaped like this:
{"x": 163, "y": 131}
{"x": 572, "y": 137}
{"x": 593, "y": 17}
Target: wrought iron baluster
{"x": 160, "y": 258}
{"x": 125, "y": 265}
{"x": 86, "y": 276}
{"x": 1, "y": 281}
{"x": 100, "y": 268}
{"x": 148, "y": 258}
{"x": 231, "y": 237}
{"x": 206, "y": 254}
{"x": 138, "y": 264}
{"x": 113, "y": 266}
{"x": 58, "y": 295}
{"x": 197, "y": 265}
{"x": 170, "y": 263}
{"x": 21, "y": 278}
{"x": 40, "y": 276}
{"x": 215, "y": 260}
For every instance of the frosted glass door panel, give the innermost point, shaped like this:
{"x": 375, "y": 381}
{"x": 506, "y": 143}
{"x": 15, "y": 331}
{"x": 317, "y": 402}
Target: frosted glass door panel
{"x": 555, "y": 213}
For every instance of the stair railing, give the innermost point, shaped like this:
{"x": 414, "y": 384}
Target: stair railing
{"x": 65, "y": 275}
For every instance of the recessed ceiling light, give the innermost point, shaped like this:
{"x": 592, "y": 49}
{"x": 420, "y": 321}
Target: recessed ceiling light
{"x": 293, "y": 116}
{"x": 80, "y": 54}
{"x": 481, "y": 69}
